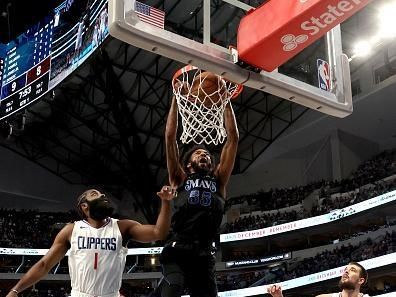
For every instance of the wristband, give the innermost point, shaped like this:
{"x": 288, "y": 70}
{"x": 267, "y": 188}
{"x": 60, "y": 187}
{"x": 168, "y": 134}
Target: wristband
{"x": 15, "y": 291}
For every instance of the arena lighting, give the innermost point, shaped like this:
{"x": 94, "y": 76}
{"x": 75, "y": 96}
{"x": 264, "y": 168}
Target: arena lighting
{"x": 362, "y": 49}
{"x": 386, "y": 30}
{"x": 387, "y": 22}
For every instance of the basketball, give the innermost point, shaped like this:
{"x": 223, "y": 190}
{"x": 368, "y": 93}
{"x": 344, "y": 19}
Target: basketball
{"x": 208, "y": 88}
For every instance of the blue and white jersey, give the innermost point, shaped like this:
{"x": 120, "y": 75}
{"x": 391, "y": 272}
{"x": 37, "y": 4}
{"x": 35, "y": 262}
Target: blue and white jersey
{"x": 97, "y": 259}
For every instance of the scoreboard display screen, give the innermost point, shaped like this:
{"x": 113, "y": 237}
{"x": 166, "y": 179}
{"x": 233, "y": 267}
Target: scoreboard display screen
{"x": 40, "y": 58}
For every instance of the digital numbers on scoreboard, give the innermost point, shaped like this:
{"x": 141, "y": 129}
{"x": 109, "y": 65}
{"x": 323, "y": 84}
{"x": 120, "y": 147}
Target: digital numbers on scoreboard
{"x": 41, "y": 57}
{"x": 26, "y": 88}
{"x": 26, "y": 70}
{"x": 1, "y": 73}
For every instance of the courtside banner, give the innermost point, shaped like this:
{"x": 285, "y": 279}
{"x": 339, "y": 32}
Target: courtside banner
{"x": 310, "y": 222}
{"x": 257, "y": 261}
{"x": 41, "y": 252}
{"x": 276, "y": 31}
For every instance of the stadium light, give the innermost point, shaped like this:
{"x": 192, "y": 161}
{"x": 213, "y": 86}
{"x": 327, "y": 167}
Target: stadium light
{"x": 387, "y": 28}
{"x": 361, "y": 49}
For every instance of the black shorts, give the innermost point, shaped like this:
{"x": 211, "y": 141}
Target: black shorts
{"x": 187, "y": 267}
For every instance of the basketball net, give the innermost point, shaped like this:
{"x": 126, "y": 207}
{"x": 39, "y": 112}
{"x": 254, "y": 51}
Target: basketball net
{"x": 202, "y": 113}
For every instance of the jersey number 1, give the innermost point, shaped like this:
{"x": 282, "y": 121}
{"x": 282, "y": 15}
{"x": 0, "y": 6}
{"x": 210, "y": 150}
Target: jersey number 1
{"x": 96, "y": 261}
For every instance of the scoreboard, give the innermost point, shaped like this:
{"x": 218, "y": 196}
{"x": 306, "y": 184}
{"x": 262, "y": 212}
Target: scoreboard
{"x": 44, "y": 55}
{"x": 26, "y": 69}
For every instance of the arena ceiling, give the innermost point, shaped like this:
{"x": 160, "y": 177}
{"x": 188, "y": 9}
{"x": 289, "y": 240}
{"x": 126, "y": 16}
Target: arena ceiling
{"x": 104, "y": 125}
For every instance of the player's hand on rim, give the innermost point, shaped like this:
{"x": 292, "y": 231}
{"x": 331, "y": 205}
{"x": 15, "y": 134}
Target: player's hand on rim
{"x": 167, "y": 193}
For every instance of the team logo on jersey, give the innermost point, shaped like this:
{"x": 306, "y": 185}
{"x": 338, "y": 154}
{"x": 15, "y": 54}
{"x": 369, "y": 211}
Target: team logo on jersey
{"x": 201, "y": 183}
{"x": 97, "y": 243}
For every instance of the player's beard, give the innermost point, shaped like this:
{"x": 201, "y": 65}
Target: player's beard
{"x": 100, "y": 208}
{"x": 347, "y": 285}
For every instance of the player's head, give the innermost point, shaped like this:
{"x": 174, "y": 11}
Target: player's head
{"x": 354, "y": 277}
{"x": 94, "y": 204}
{"x": 198, "y": 159}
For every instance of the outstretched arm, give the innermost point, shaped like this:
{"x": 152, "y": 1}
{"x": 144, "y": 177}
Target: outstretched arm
{"x": 228, "y": 153}
{"x": 175, "y": 170}
{"x": 150, "y": 233}
{"x": 44, "y": 265}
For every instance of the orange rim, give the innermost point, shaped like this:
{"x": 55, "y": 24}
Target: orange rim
{"x": 188, "y": 68}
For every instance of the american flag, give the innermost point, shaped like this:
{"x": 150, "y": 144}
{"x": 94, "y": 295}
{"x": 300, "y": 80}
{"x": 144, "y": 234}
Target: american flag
{"x": 150, "y": 15}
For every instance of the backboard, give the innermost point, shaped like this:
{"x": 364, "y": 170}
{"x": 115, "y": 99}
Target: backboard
{"x": 212, "y": 52}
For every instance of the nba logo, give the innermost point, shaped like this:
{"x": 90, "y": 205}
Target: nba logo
{"x": 323, "y": 74}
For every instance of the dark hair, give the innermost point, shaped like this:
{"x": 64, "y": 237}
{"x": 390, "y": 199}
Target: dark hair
{"x": 363, "y": 272}
{"x": 187, "y": 155}
{"x": 81, "y": 199}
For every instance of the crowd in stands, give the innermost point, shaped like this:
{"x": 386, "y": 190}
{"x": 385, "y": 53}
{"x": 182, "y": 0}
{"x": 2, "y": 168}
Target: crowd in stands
{"x": 264, "y": 220}
{"x": 260, "y": 221}
{"x": 275, "y": 198}
{"x": 370, "y": 172}
{"x": 30, "y": 228}
{"x": 353, "y": 197}
{"x": 377, "y": 168}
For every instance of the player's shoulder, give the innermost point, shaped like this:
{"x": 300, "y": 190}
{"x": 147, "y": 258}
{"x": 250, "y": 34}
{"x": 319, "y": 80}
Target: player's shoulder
{"x": 65, "y": 233}
{"x": 126, "y": 225}
{"x": 327, "y": 295}
{"x": 68, "y": 226}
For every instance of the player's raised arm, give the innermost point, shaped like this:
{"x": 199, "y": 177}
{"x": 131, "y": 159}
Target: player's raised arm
{"x": 175, "y": 170}
{"x": 44, "y": 265}
{"x": 150, "y": 233}
{"x": 230, "y": 148}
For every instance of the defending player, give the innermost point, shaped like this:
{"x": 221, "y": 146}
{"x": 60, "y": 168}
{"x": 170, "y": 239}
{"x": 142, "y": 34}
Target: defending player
{"x": 97, "y": 257}
{"x": 351, "y": 280}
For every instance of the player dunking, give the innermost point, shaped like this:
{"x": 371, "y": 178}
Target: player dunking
{"x": 187, "y": 258}
{"x": 97, "y": 257}
{"x": 351, "y": 280}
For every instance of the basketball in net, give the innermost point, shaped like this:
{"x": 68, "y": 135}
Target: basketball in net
{"x": 201, "y": 98}
{"x": 209, "y": 89}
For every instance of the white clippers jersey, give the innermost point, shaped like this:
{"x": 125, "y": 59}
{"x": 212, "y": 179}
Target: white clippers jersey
{"x": 96, "y": 260}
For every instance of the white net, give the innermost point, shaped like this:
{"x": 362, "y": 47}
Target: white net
{"x": 201, "y": 98}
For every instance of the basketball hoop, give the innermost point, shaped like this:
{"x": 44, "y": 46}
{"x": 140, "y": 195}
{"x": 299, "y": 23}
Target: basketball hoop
{"x": 201, "y": 98}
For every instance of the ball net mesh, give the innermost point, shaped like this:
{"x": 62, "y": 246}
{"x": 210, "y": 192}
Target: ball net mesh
{"x": 202, "y": 109}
